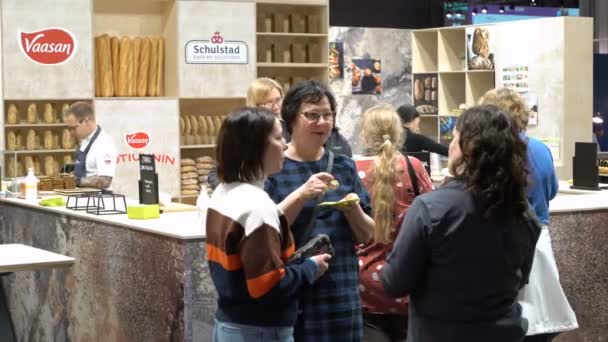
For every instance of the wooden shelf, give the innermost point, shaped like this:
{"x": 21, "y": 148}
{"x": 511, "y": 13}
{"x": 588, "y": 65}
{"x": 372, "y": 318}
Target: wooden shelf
{"x": 290, "y": 35}
{"x": 293, "y": 65}
{"x": 38, "y": 125}
{"x": 39, "y": 151}
{"x": 294, "y": 2}
{"x": 193, "y": 147}
{"x": 452, "y": 50}
{"x": 480, "y": 71}
{"x": 424, "y": 51}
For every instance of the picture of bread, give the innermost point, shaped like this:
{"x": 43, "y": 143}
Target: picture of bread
{"x": 12, "y": 117}
{"x": 32, "y": 114}
{"x": 115, "y": 50}
{"x": 418, "y": 90}
{"x": 50, "y": 114}
{"x": 67, "y": 141}
{"x": 144, "y": 67}
{"x": 153, "y": 67}
{"x": 123, "y": 67}
{"x": 30, "y": 140}
{"x": 11, "y": 141}
{"x": 481, "y": 42}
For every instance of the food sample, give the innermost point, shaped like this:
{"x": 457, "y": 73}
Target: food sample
{"x": 334, "y": 184}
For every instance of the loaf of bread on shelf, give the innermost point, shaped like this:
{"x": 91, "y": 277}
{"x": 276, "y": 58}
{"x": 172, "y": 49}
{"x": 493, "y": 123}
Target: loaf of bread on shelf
{"x": 37, "y": 166}
{"x": 50, "y": 114}
{"x": 137, "y": 41}
{"x": 30, "y": 140}
{"x": 56, "y": 140}
{"x": 115, "y": 50}
{"x": 194, "y": 187}
{"x": 211, "y": 129}
{"x": 205, "y": 159}
{"x": 12, "y": 117}
{"x": 218, "y": 123}
{"x": 182, "y": 126}
{"x": 47, "y": 137}
{"x": 28, "y": 162}
{"x": 105, "y": 67}
{"x": 123, "y": 67}
{"x": 189, "y": 192}
{"x": 203, "y": 130}
{"x": 50, "y": 166}
{"x": 196, "y": 138}
{"x": 64, "y": 108}
{"x": 189, "y": 175}
{"x": 160, "y": 67}
{"x": 202, "y": 172}
{"x": 11, "y": 140}
{"x": 68, "y": 159}
{"x": 132, "y": 72}
{"x": 144, "y": 67}
{"x": 481, "y": 42}
{"x": 67, "y": 141}
{"x": 153, "y": 69}
{"x": 188, "y": 168}
{"x": 418, "y": 90}
{"x": 97, "y": 76}
{"x": 187, "y": 162}
{"x": 10, "y": 167}
{"x": 19, "y": 140}
{"x": 32, "y": 114}
{"x": 189, "y": 181}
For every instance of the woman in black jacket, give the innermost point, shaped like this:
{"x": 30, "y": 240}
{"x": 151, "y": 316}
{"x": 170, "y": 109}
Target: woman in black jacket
{"x": 465, "y": 250}
{"x": 414, "y": 142}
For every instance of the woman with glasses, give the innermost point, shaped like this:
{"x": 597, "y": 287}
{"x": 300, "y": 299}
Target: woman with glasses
{"x": 465, "y": 250}
{"x": 265, "y": 92}
{"x": 331, "y": 309}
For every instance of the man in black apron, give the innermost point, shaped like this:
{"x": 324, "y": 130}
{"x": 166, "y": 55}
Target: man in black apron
{"x": 96, "y": 156}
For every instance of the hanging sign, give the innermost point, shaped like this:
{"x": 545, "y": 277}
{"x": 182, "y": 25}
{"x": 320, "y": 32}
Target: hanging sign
{"x": 216, "y": 50}
{"x": 48, "y": 46}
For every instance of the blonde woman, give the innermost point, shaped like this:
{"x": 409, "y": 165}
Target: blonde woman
{"x": 265, "y": 92}
{"x": 543, "y": 301}
{"x": 393, "y": 181}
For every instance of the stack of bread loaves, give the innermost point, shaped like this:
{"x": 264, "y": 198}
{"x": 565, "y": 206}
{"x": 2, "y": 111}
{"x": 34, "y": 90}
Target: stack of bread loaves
{"x": 203, "y": 166}
{"x": 129, "y": 67}
{"x": 199, "y": 129}
{"x": 189, "y": 177}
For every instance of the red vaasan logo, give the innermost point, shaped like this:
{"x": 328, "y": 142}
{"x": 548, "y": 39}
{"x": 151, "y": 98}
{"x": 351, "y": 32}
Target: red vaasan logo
{"x": 48, "y": 46}
{"x": 138, "y": 140}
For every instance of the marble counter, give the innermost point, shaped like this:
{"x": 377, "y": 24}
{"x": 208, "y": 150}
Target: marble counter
{"x": 132, "y": 280}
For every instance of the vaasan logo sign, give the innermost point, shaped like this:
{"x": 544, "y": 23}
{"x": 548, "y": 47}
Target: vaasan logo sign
{"x": 216, "y": 51}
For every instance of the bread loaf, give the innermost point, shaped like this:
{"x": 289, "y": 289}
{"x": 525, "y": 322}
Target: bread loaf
{"x": 105, "y": 67}
{"x": 144, "y": 66}
{"x": 11, "y": 172}
{"x": 196, "y": 139}
{"x": 210, "y": 130}
{"x": 115, "y": 50}
{"x": 160, "y": 67}
{"x": 28, "y": 162}
{"x": 55, "y": 140}
{"x": 203, "y": 129}
{"x": 50, "y": 168}
{"x": 186, "y": 175}
{"x": 68, "y": 159}
{"x": 189, "y": 192}
{"x": 202, "y": 172}
{"x": 188, "y": 125}
{"x": 204, "y": 159}
{"x": 32, "y": 114}
{"x": 153, "y": 69}
{"x": 189, "y": 181}
{"x": 48, "y": 139}
{"x": 37, "y": 166}
{"x": 50, "y": 114}
{"x": 204, "y": 166}
{"x": 123, "y": 68}
{"x": 30, "y": 140}
{"x": 97, "y": 63}
{"x": 186, "y": 169}
{"x": 12, "y": 116}
{"x": 19, "y": 141}
{"x": 66, "y": 139}
{"x": 217, "y": 120}
{"x": 11, "y": 141}
{"x": 64, "y": 108}
{"x": 132, "y": 72}
{"x": 136, "y": 58}
{"x": 202, "y": 179}
{"x": 187, "y": 162}
{"x": 191, "y": 186}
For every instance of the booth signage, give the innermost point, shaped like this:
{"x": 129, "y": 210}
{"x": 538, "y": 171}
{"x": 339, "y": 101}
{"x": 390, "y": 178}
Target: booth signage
{"x": 216, "y": 51}
{"x": 148, "y": 180}
{"x": 48, "y": 46}
{"x": 137, "y": 140}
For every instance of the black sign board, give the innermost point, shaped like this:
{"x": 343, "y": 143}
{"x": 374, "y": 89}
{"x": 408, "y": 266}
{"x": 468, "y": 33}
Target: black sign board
{"x": 585, "y": 174}
{"x": 148, "y": 180}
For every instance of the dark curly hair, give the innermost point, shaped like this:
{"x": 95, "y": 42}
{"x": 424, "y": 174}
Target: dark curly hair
{"x": 494, "y": 162}
{"x": 308, "y": 91}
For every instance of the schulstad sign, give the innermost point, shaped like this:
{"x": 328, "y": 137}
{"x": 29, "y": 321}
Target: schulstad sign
{"x": 48, "y": 46}
{"x": 216, "y": 51}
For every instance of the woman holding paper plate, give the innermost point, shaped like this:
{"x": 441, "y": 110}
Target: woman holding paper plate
{"x": 331, "y": 309}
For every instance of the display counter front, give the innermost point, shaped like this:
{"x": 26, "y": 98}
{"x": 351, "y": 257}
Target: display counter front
{"x": 133, "y": 280}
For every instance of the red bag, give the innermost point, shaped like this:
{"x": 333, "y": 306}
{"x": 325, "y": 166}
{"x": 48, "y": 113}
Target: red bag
{"x": 373, "y": 297}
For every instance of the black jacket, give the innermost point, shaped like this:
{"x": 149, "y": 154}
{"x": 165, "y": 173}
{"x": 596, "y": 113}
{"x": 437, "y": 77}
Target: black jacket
{"x": 415, "y": 142}
{"x": 462, "y": 271}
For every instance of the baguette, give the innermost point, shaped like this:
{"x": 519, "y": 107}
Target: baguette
{"x": 105, "y": 67}
{"x": 123, "y": 69}
{"x": 160, "y": 68}
{"x": 202, "y": 129}
{"x": 135, "y": 56}
{"x": 210, "y": 130}
{"x": 116, "y": 47}
{"x": 152, "y": 74}
{"x": 97, "y": 63}
{"x": 195, "y": 130}
{"x": 144, "y": 66}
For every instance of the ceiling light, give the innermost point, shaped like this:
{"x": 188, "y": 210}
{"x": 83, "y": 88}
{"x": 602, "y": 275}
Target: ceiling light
{"x": 501, "y": 9}
{"x": 484, "y": 10}
{"x": 458, "y": 14}
{"x": 449, "y": 14}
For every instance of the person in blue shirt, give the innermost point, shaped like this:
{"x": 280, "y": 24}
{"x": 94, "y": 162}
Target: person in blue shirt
{"x": 543, "y": 301}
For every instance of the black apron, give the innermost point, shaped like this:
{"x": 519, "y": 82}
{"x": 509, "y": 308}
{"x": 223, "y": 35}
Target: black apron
{"x": 80, "y": 167}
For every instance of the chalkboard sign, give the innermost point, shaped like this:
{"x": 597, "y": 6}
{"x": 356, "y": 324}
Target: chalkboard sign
{"x": 148, "y": 180}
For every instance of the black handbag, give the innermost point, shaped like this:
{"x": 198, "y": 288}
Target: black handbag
{"x": 321, "y": 243}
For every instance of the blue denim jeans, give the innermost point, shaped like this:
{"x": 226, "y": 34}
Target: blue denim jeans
{"x": 233, "y": 332}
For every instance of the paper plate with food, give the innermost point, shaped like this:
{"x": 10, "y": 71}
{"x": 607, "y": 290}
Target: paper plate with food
{"x": 347, "y": 201}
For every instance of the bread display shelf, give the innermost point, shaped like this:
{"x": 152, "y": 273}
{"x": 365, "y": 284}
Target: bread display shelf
{"x": 194, "y": 147}
{"x": 293, "y": 65}
{"x": 41, "y": 125}
{"x": 39, "y": 151}
{"x": 291, "y": 35}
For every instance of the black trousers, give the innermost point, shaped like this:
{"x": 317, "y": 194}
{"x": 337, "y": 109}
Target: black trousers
{"x": 541, "y": 337}
{"x": 393, "y": 326}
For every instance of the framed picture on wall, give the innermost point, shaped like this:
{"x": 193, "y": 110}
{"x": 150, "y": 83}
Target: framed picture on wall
{"x": 425, "y": 93}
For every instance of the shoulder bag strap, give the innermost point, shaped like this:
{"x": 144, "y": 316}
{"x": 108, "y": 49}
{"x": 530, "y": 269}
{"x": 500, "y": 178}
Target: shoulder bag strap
{"x": 413, "y": 176}
{"x": 304, "y": 236}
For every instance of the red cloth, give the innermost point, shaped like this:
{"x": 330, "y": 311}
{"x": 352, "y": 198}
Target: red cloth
{"x": 372, "y": 256}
